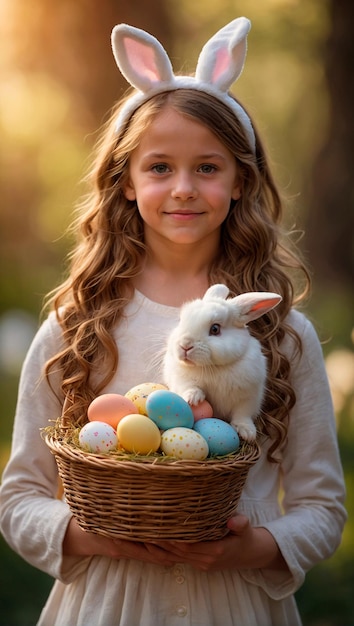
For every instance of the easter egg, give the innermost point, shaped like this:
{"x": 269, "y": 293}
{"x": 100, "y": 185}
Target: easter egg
{"x": 97, "y": 437}
{"x": 137, "y": 433}
{"x": 139, "y": 394}
{"x": 221, "y": 437}
{"x": 167, "y": 409}
{"x": 184, "y": 443}
{"x": 110, "y": 408}
{"x": 201, "y": 410}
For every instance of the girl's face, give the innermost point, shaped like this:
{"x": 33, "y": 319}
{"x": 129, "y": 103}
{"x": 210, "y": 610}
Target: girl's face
{"x": 183, "y": 179}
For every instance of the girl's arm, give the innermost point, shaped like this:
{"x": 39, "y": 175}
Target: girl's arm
{"x": 33, "y": 520}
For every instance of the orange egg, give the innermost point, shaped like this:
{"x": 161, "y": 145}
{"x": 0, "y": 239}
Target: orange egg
{"x": 110, "y": 408}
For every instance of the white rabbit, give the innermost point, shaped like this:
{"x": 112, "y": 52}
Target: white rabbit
{"x": 211, "y": 355}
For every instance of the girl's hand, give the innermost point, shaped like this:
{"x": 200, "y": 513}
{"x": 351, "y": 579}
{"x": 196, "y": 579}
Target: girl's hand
{"x": 245, "y": 547}
{"x": 77, "y": 542}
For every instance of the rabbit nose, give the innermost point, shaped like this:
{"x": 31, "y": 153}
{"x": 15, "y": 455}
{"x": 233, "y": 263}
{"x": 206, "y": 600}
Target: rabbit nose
{"x": 186, "y": 349}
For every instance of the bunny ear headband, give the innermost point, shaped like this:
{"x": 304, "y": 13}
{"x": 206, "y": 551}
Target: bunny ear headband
{"x": 144, "y": 63}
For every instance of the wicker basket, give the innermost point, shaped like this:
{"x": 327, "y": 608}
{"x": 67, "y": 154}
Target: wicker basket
{"x": 152, "y": 497}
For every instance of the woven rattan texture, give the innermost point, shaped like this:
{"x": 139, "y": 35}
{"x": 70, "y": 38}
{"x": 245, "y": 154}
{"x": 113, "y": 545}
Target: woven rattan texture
{"x": 150, "y": 498}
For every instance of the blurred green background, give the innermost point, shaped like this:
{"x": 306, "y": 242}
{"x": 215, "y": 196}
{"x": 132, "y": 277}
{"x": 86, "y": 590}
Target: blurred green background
{"x": 59, "y": 80}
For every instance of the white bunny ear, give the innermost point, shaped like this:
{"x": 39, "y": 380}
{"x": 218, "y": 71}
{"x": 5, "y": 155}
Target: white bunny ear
{"x": 140, "y": 57}
{"x": 144, "y": 63}
{"x": 216, "y": 291}
{"x": 252, "y": 305}
{"x": 222, "y": 58}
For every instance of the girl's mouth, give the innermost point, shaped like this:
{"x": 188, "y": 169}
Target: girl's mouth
{"x": 184, "y": 215}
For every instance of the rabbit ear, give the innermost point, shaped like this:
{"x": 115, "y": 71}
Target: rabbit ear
{"x": 250, "y": 306}
{"x": 140, "y": 57}
{"x": 222, "y": 58}
{"x": 216, "y": 291}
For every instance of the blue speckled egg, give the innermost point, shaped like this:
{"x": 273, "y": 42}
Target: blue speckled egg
{"x": 221, "y": 437}
{"x": 168, "y": 410}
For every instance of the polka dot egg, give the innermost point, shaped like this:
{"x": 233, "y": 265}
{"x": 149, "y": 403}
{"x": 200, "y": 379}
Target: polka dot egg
{"x": 98, "y": 437}
{"x": 140, "y": 393}
{"x": 184, "y": 443}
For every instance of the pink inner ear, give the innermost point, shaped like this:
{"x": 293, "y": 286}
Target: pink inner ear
{"x": 262, "y": 305}
{"x": 222, "y": 63}
{"x": 142, "y": 59}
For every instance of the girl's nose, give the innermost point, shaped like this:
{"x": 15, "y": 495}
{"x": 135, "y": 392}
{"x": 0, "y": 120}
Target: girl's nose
{"x": 183, "y": 187}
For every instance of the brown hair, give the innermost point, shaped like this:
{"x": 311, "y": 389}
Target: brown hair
{"x": 255, "y": 255}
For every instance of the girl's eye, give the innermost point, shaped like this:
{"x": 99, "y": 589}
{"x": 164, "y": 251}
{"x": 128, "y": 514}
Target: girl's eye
{"x": 215, "y": 329}
{"x": 207, "y": 168}
{"x": 160, "y": 168}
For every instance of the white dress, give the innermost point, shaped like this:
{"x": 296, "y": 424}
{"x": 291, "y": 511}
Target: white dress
{"x": 98, "y": 591}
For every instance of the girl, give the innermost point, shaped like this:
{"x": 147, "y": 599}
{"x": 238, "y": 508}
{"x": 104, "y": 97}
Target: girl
{"x": 182, "y": 197}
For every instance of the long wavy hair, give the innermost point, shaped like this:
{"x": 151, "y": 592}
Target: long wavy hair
{"x": 255, "y": 255}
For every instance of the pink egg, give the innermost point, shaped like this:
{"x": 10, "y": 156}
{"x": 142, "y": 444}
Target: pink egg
{"x": 201, "y": 410}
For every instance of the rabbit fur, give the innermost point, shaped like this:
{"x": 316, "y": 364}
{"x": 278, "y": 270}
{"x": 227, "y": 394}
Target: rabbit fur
{"x": 211, "y": 355}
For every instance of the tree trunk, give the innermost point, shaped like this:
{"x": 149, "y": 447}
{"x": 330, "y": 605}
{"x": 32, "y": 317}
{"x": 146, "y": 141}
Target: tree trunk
{"x": 330, "y": 221}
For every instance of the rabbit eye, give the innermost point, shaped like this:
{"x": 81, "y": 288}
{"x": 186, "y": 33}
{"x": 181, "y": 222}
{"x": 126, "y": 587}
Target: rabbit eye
{"x": 215, "y": 329}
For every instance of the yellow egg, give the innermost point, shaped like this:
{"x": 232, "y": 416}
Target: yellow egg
{"x": 140, "y": 393}
{"x": 138, "y": 433}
